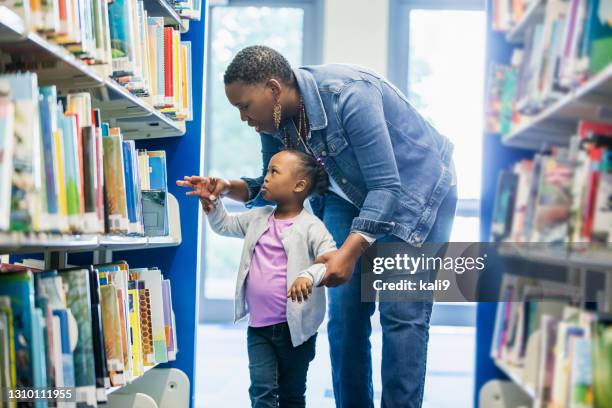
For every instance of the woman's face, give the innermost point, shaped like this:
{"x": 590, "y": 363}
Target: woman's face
{"x": 255, "y": 103}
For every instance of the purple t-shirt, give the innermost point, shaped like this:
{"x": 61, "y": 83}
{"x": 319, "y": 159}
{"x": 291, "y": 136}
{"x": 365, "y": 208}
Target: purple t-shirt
{"x": 266, "y": 285}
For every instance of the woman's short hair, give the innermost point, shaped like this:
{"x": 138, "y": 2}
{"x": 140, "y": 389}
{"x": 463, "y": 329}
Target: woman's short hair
{"x": 256, "y": 64}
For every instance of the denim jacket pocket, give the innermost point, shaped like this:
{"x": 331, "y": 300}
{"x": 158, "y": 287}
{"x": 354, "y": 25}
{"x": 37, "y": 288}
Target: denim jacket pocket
{"x": 336, "y": 143}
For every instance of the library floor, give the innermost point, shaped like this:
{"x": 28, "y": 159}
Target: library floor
{"x": 222, "y": 370}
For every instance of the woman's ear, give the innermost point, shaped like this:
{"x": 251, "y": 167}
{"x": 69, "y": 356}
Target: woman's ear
{"x": 276, "y": 88}
{"x": 300, "y": 186}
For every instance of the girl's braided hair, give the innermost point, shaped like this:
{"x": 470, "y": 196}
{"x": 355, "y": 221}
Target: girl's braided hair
{"x": 313, "y": 171}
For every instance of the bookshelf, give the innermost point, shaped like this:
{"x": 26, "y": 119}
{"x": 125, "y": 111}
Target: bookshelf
{"x": 145, "y": 371}
{"x": 516, "y": 375}
{"x": 556, "y": 123}
{"x": 178, "y": 254}
{"x": 516, "y": 35}
{"x": 161, "y": 8}
{"x": 136, "y": 116}
{"x": 573, "y": 256}
{"x": 551, "y": 125}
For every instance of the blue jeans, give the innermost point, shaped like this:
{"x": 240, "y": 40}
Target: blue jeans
{"x": 405, "y": 325}
{"x": 277, "y": 369}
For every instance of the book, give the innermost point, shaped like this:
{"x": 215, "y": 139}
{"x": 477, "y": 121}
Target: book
{"x": 157, "y": 60}
{"x": 97, "y": 120}
{"x": 76, "y": 282}
{"x": 67, "y": 346}
{"x": 134, "y": 316}
{"x": 169, "y": 323}
{"x": 169, "y": 67}
{"x": 504, "y": 205}
{"x": 19, "y": 287}
{"x": 553, "y": 202}
{"x": 111, "y": 324}
{"x": 602, "y": 363}
{"x": 187, "y": 104}
{"x": 155, "y": 200}
{"x": 54, "y": 219}
{"x": 25, "y": 195}
{"x": 143, "y": 170}
{"x": 114, "y": 184}
{"x": 6, "y": 154}
{"x": 72, "y": 173}
{"x": 102, "y": 378}
{"x": 121, "y": 21}
{"x": 153, "y": 282}
{"x": 598, "y": 36}
{"x": 132, "y": 188}
{"x": 8, "y": 374}
{"x": 146, "y": 328}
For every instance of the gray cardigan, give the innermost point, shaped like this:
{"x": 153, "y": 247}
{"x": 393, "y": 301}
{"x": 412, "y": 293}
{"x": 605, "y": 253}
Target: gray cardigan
{"x": 306, "y": 239}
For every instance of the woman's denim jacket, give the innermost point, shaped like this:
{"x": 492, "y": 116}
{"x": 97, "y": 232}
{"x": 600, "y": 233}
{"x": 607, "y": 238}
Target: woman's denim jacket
{"x": 385, "y": 157}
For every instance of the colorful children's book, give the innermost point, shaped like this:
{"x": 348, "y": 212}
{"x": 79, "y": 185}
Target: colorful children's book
{"x": 72, "y": 172}
{"x": 111, "y": 324}
{"x": 19, "y": 287}
{"x": 26, "y": 180}
{"x": 136, "y": 343}
{"x": 153, "y": 282}
{"x": 114, "y": 184}
{"x": 76, "y": 282}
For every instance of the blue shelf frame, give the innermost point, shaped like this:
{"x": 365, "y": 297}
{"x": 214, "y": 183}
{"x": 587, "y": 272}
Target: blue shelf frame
{"x": 496, "y": 157}
{"x": 181, "y": 264}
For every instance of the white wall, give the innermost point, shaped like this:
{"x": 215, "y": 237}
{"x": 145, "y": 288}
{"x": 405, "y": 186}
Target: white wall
{"x": 356, "y": 31}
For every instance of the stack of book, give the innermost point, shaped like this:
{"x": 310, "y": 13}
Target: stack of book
{"x": 559, "y": 196}
{"x": 570, "y": 43}
{"x": 65, "y": 170}
{"x": 151, "y": 61}
{"x": 564, "y": 354}
{"x": 91, "y": 327}
{"x": 119, "y": 37}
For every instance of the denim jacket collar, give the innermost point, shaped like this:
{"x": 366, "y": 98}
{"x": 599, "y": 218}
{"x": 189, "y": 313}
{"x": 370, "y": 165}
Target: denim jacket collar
{"x": 315, "y": 111}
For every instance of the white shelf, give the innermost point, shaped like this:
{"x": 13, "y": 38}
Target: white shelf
{"x": 137, "y": 118}
{"x": 42, "y": 242}
{"x": 515, "y": 374}
{"x": 516, "y": 35}
{"x": 161, "y": 8}
{"x": 575, "y": 255}
{"x": 557, "y": 123}
{"x": 145, "y": 371}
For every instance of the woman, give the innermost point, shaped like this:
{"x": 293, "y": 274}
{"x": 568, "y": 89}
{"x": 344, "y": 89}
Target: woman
{"x": 391, "y": 180}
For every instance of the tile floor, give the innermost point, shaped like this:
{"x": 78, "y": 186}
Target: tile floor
{"x": 222, "y": 377}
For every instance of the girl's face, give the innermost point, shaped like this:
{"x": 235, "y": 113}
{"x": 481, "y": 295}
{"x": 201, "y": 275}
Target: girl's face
{"x": 255, "y": 103}
{"x": 281, "y": 183}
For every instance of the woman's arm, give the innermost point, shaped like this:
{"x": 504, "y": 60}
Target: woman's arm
{"x": 364, "y": 123}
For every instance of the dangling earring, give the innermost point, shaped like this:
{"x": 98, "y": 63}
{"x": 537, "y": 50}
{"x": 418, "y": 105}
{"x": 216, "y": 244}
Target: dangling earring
{"x": 276, "y": 114}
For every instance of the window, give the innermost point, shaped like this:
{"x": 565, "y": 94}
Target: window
{"x": 437, "y": 56}
{"x": 232, "y": 148}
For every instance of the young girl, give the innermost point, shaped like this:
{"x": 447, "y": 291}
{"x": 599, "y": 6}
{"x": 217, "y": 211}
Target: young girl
{"x": 279, "y": 249}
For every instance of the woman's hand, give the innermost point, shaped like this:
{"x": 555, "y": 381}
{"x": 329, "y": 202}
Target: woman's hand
{"x": 301, "y": 288}
{"x": 208, "y": 189}
{"x": 340, "y": 264}
{"x": 339, "y": 267}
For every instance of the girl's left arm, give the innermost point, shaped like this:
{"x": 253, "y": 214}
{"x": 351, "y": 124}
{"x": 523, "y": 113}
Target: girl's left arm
{"x": 320, "y": 242}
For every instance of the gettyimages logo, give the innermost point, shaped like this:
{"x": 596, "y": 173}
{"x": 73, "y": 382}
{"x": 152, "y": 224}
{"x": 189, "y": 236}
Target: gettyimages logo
{"x": 413, "y": 264}
{"x": 446, "y": 272}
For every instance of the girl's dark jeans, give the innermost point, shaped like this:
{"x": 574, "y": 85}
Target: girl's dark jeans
{"x": 277, "y": 369}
